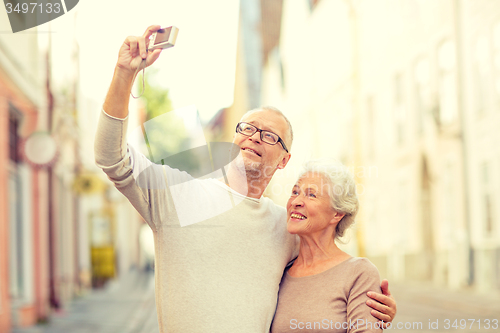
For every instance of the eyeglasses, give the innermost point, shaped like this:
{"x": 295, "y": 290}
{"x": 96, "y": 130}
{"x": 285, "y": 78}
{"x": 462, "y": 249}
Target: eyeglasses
{"x": 266, "y": 136}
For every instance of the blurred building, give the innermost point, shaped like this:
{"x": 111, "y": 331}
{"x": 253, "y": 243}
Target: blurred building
{"x": 63, "y": 228}
{"x": 406, "y": 94}
{"x": 23, "y": 216}
{"x": 258, "y": 33}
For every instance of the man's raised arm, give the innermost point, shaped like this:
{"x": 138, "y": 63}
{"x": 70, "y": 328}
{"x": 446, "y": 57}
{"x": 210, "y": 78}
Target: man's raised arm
{"x": 130, "y": 57}
{"x": 122, "y": 164}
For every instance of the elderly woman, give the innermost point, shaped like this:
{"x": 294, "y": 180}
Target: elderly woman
{"x": 325, "y": 288}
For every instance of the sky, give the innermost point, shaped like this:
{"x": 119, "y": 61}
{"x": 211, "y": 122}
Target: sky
{"x": 200, "y": 68}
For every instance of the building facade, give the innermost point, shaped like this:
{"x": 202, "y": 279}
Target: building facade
{"x": 53, "y": 214}
{"x": 21, "y": 218}
{"x": 405, "y": 94}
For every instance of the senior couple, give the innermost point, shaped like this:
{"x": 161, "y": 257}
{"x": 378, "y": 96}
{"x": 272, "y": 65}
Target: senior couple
{"x": 243, "y": 269}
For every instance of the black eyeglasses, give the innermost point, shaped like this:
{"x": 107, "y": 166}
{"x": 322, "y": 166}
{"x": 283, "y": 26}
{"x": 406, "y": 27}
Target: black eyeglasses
{"x": 266, "y": 136}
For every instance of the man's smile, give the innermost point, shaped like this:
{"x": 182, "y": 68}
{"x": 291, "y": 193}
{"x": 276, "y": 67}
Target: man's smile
{"x": 251, "y": 151}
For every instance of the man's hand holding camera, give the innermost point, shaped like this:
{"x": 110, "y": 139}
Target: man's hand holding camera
{"x": 133, "y": 51}
{"x": 130, "y": 59}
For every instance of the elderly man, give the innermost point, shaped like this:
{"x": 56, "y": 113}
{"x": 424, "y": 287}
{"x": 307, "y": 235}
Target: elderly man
{"x": 221, "y": 274}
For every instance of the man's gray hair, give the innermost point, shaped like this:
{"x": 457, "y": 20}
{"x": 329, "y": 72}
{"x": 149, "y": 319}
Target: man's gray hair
{"x": 289, "y": 134}
{"x": 341, "y": 189}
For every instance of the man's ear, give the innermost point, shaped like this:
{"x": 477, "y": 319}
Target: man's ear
{"x": 284, "y": 161}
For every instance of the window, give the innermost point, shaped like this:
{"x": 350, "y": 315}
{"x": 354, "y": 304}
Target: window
{"x": 13, "y": 137}
{"x": 399, "y": 108}
{"x": 426, "y": 208}
{"x": 482, "y": 76}
{"x": 371, "y": 127}
{"x": 449, "y": 203}
{"x": 496, "y": 62}
{"x": 282, "y": 74}
{"x": 16, "y": 262}
{"x": 422, "y": 93}
{"x": 403, "y": 207}
{"x": 487, "y": 198}
{"x": 16, "y": 238}
{"x": 447, "y": 83}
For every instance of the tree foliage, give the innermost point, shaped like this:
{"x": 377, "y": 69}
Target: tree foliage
{"x": 157, "y": 99}
{"x": 164, "y": 137}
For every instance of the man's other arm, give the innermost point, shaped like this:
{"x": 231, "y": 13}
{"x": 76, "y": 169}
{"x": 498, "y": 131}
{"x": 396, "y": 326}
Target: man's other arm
{"x": 384, "y": 304}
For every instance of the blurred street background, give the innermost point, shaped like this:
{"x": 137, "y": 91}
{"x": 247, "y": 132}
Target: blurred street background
{"x": 127, "y": 306}
{"x": 404, "y": 92}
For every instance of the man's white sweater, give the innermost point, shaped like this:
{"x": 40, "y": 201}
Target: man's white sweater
{"x": 220, "y": 274}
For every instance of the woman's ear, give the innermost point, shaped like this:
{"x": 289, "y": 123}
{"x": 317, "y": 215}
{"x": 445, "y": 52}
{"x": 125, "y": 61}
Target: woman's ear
{"x": 337, "y": 217}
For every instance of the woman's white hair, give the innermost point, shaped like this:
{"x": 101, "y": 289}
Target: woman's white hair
{"x": 341, "y": 189}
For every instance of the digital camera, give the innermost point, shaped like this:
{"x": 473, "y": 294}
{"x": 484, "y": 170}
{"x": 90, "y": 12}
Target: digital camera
{"x": 163, "y": 38}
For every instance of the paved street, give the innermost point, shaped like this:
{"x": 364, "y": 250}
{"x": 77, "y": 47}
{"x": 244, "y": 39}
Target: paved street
{"x": 128, "y": 307}
{"x": 124, "y": 307}
{"x": 437, "y": 310}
